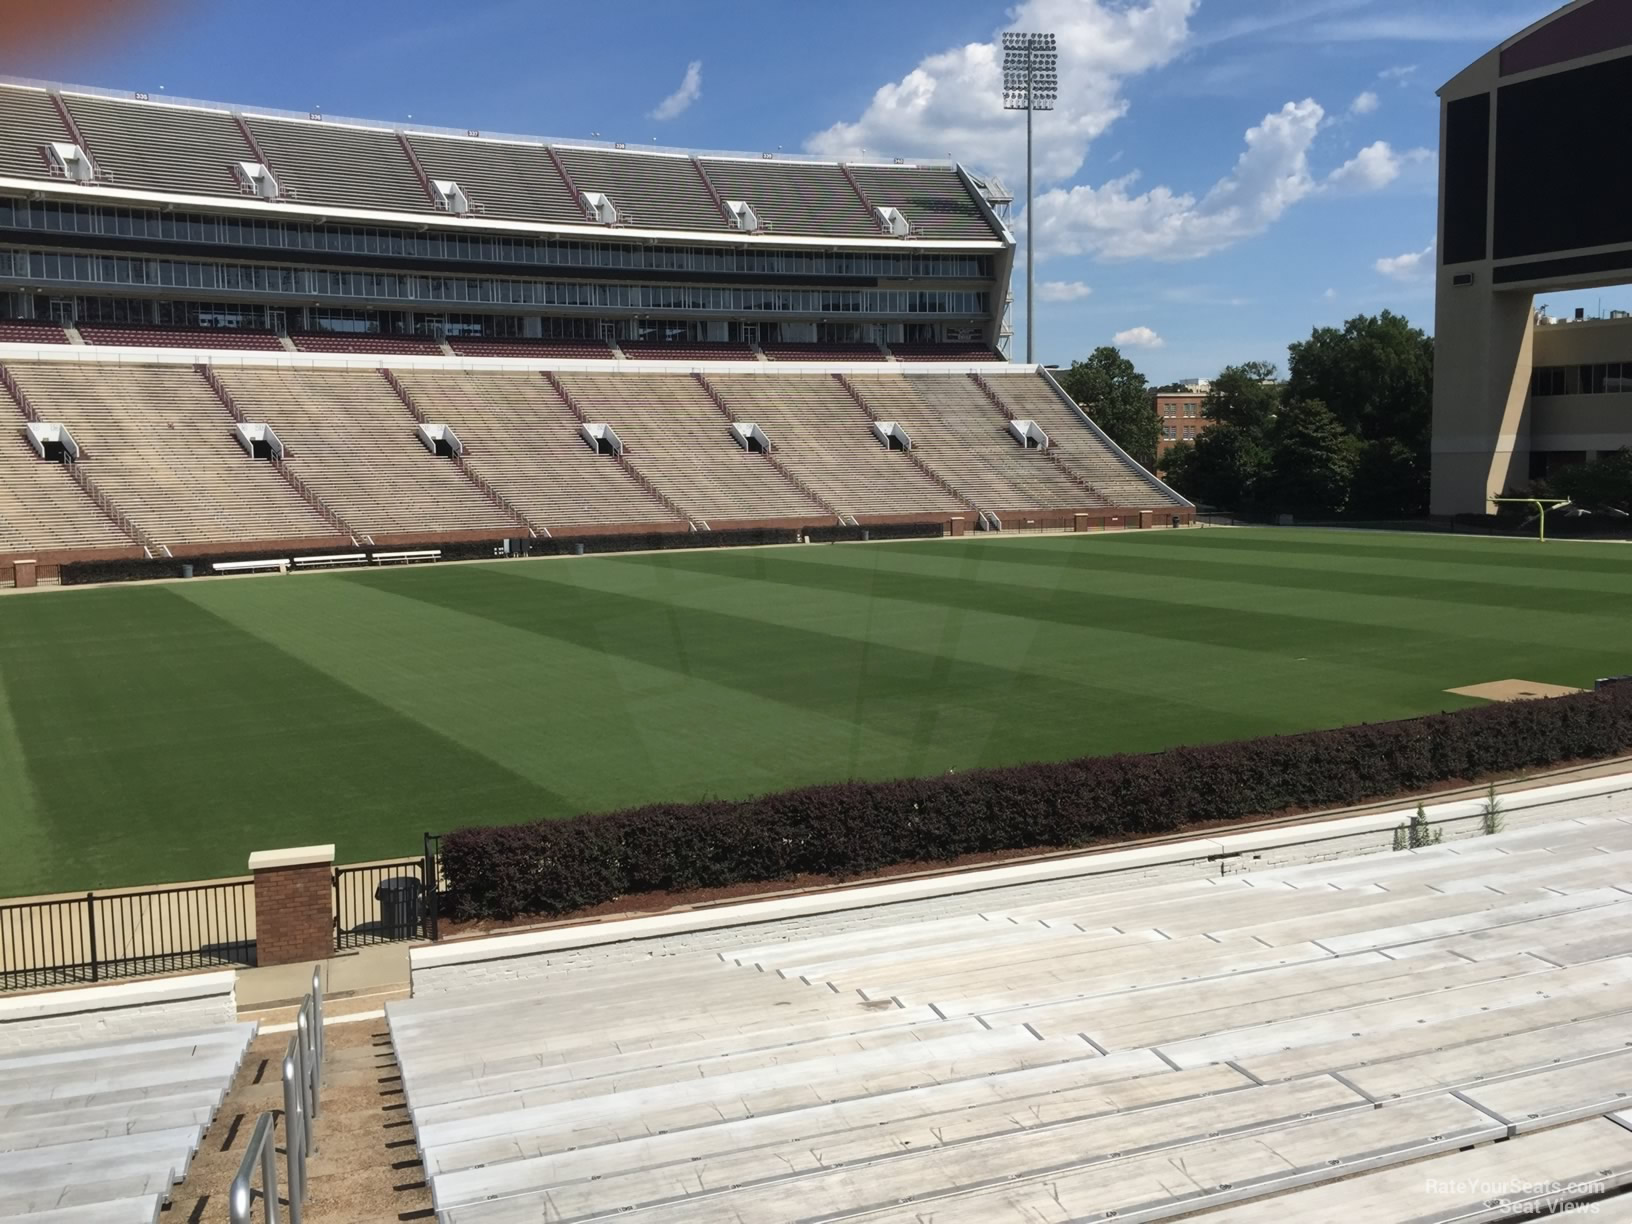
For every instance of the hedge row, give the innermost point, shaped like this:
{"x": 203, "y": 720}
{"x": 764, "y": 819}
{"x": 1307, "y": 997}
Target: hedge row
{"x": 849, "y": 829}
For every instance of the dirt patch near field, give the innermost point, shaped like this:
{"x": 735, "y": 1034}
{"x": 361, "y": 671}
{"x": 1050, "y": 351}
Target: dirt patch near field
{"x": 1513, "y": 690}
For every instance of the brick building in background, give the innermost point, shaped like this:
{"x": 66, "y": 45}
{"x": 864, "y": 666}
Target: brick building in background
{"x": 1178, "y": 407}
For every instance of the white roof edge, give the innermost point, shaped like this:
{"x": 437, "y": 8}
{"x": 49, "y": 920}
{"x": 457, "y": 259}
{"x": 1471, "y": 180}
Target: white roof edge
{"x": 58, "y": 189}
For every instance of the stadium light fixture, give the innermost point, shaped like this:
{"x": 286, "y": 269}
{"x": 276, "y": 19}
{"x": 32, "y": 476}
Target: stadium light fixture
{"x": 1031, "y": 82}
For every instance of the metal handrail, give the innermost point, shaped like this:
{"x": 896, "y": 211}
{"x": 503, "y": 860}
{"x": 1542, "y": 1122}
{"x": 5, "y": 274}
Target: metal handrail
{"x": 262, "y": 1150}
{"x": 302, "y": 1075}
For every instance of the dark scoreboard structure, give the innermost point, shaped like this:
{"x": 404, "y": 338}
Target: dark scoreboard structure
{"x": 1535, "y": 197}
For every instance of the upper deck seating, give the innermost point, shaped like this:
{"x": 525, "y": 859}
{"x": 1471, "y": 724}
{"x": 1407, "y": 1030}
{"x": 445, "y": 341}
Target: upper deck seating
{"x": 794, "y": 197}
{"x": 158, "y": 147}
{"x": 681, "y": 442}
{"x": 350, "y": 438}
{"x": 523, "y": 440}
{"x": 933, "y": 199}
{"x": 512, "y": 179}
{"x": 157, "y": 441}
{"x": 175, "y": 337}
{"x": 958, "y": 433}
{"x": 18, "y": 331}
{"x": 337, "y": 163}
{"x": 364, "y": 342}
{"x": 825, "y": 439}
{"x": 1120, "y": 480}
{"x": 28, "y": 122}
{"x": 572, "y": 349}
{"x": 654, "y": 190}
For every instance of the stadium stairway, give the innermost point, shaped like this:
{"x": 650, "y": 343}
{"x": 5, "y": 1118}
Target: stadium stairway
{"x": 1257, "y": 1046}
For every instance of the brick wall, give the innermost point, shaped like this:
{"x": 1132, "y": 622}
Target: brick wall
{"x": 294, "y": 912}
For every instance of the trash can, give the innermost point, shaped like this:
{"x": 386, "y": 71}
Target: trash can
{"x": 399, "y": 907}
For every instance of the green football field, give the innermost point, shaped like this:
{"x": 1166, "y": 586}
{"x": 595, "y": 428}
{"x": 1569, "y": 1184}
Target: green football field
{"x": 162, "y": 732}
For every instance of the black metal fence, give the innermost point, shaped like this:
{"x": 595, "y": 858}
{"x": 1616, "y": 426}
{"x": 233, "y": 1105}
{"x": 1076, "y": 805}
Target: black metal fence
{"x": 386, "y": 901}
{"x": 102, "y": 936}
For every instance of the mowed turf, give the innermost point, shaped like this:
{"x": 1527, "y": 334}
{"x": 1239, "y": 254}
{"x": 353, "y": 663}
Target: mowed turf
{"x": 162, "y": 732}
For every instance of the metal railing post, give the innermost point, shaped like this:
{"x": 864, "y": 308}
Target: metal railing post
{"x": 90, "y": 918}
{"x": 294, "y": 1127}
{"x": 263, "y": 1151}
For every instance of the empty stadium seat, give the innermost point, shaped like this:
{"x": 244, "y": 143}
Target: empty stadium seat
{"x": 826, "y": 439}
{"x": 959, "y": 434}
{"x": 351, "y": 439}
{"x": 689, "y": 350}
{"x": 781, "y": 351}
{"x": 361, "y": 342}
{"x": 522, "y": 439}
{"x": 42, "y": 510}
{"x": 156, "y": 440}
{"x": 17, "y": 331}
{"x": 943, "y": 352}
{"x": 1383, "y": 1037}
{"x": 679, "y": 440}
{"x": 171, "y": 337}
{"x": 531, "y": 349}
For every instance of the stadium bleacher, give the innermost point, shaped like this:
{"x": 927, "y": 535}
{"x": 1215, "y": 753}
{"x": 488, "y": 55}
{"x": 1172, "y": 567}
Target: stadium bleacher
{"x": 17, "y": 331}
{"x": 162, "y": 148}
{"x": 322, "y": 163}
{"x": 680, "y": 440}
{"x": 522, "y": 439}
{"x": 1381, "y": 1035}
{"x": 171, "y": 337}
{"x": 363, "y": 342}
{"x": 530, "y": 350}
{"x": 693, "y": 350}
{"x": 157, "y": 444}
{"x": 157, "y": 441}
{"x": 942, "y": 352}
{"x": 781, "y": 351}
{"x": 352, "y": 441}
{"x": 98, "y": 1133}
{"x": 790, "y": 197}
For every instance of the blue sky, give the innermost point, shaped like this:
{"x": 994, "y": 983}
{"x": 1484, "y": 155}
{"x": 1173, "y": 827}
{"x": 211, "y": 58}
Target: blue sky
{"x": 1221, "y": 175}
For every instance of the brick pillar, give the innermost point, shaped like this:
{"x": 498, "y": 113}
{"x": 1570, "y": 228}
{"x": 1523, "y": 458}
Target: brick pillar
{"x": 294, "y": 904}
{"x": 23, "y": 572}
{"x": 954, "y": 526}
{"x": 1079, "y": 522}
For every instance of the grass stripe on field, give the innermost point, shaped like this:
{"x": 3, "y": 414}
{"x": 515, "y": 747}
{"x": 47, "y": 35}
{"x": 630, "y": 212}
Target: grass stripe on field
{"x": 163, "y": 732}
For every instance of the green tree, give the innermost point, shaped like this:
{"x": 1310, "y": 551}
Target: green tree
{"x": 1605, "y": 484}
{"x": 1115, "y": 395}
{"x": 1313, "y": 461}
{"x": 1376, "y": 375}
{"x": 1229, "y": 461}
{"x": 1244, "y": 397}
{"x": 1225, "y": 466}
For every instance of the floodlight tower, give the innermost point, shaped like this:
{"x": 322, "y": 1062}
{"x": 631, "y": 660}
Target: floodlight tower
{"x": 1030, "y": 83}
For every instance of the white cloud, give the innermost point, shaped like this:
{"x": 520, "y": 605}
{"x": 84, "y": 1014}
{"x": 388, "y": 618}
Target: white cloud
{"x": 1399, "y": 72}
{"x": 1377, "y": 165}
{"x": 1138, "y": 337}
{"x": 1329, "y": 296}
{"x": 1112, "y": 222}
{"x": 691, "y": 88}
{"x": 1409, "y": 266}
{"x": 1364, "y": 103}
{"x": 950, "y": 101}
{"x": 1062, "y": 291}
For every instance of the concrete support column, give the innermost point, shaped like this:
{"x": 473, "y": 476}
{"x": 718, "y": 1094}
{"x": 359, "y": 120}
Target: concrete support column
{"x": 294, "y": 904}
{"x": 1483, "y": 344}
